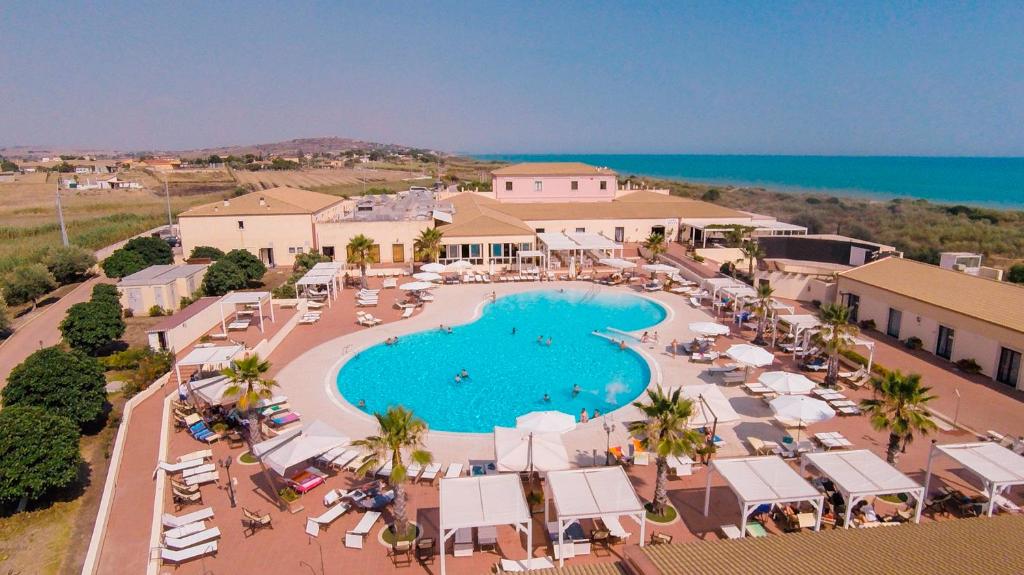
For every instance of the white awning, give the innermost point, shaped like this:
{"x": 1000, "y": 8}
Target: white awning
{"x": 617, "y": 263}
{"x": 861, "y": 473}
{"x": 799, "y": 322}
{"x": 739, "y": 291}
{"x": 715, "y": 405}
{"x": 592, "y": 241}
{"x": 556, "y": 241}
{"x": 593, "y": 492}
{"x": 482, "y": 501}
{"x": 714, "y": 284}
{"x": 212, "y": 390}
{"x": 996, "y": 466}
{"x": 317, "y": 277}
{"x": 210, "y": 355}
{"x": 530, "y": 253}
{"x": 336, "y": 267}
{"x": 245, "y": 297}
{"x": 295, "y": 447}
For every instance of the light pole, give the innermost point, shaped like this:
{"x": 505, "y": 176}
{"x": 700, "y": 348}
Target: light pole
{"x": 956, "y": 414}
{"x": 608, "y": 429}
{"x": 60, "y": 216}
{"x": 226, "y": 464}
{"x": 170, "y": 221}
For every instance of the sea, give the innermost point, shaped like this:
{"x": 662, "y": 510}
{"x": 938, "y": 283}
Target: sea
{"x": 985, "y": 182}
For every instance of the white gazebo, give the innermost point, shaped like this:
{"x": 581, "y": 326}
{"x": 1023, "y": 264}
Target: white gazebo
{"x": 296, "y": 446}
{"x": 212, "y": 390}
{"x": 530, "y": 255}
{"x": 217, "y": 357}
{"x": 483, "y": 501}
{"x": 860, "y": 474}
{"x": 248, "y": 299}
{"x": 795, "y": 324}
{"x": 997, "y": 467}
{"x": 323, "y": 274}
{"x": 596, "y": 492}
{"x": 763, "y": 480}
{"x": 713, "y": 285}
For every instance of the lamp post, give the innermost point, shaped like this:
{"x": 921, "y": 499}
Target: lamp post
{"x": 226, "y": 464}
{"x": 608, "y": 429}
{"x": 956, "y": 414}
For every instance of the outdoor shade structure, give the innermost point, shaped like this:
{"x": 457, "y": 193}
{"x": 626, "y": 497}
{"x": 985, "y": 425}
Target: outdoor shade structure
{"x": 417, "y": 286}
{"x": 324, "y": 274}
{"x": 660, "y": 268}
{"x": 860, "y": 474}
{"x": 536, "y": 255}
{"x": 801, "y": 410}
{"x": 458, "y": 266}
{"x": 591, "y": 494}
{"x": 750, "y": 355}
{"x": 212, "y": 390}
{"x": 432, "y": 268}
{"x": 520, "y": 450}
{"x": 245, "y": 298}
{"x": 787, "y": 383}
{"x": 708, "y": 328}
{"x": 427, "y": 276}
{"x": 297, "y": 446}
{"x": 713, "y": 285}
{"x": 796, "y": 325}
{"x": 710, "y": 405}
{"x": 997, "y": 467}
{"x": 483, "y": 501}
{"x": 763, "y": 481}
{"x": 575, "y": 245}
{"x": 617, "y": 263}
{"x": 216, "y": 357}
{"x": 546, "y": 422}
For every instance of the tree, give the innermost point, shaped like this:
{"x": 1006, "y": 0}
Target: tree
{"x": 305, "y": 261}
{"x": 123, "y": 263}
{"x": 428, "y": 244}
{"x": 8, "y": 166}
{"x": 712, "y": 195}
{"x": 38, "y": 453}
{"x": 249, "y": 264}
{"x": 899, "y": 406}
{"x": 1016, "y": 274}
{"x": 359, "y": 253}
{"x": 106, "y": 293}
{"x": 68, "y": 264}
{"x": 206, "y": 252}
{"x": 834, "y": 337}
{"x": 92, "y": 326}
{"x": 752, "y": 251}
{"x": 400, "y": 431}
{"x": 154, "y": 251}
{"x": 248, "y": 383}
{"x": 222, "y": 277}
{"x": 735, "y": 235}
{"x": 761, "y": 305}
{"x": 68, "y": 383}
{"x": 655, "y": 245}
{"x": 5, "y": 317}
{"x": 663, "y": 432}
{"x": 28, "y": 283}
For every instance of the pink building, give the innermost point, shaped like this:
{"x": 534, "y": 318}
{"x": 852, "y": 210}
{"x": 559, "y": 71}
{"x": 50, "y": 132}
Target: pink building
{"x": 553, "y": 182}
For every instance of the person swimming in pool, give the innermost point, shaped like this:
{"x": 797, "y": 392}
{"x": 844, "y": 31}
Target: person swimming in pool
{"x": 576, "y": 389}
{"x": 549, "y": 342}
{"x": 540, "y": 339}
{"x": 622, "y": 344}
{"x": 513, "y": 330}
{"x": 458, "y": 378}
{"x": 450, "y": 330}
{"x": 583, "y": 415}
{"x": 547, "y": 398}
{"x": 464, "y": 374}
{"x": 362, "y": 404}
{"x": 597, "y": 413}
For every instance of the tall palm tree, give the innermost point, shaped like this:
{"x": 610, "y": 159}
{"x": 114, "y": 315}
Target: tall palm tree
{"x": 400, "y": 431}
{"x": 359, "y": 252}
{"x": 428, "y": 244}
{"x": 900, "y": 406}
{"x": 761, "y": 305}
{"x": 834, "y": 337}
{"x": 655, "y": 245}
{"x": 752, "y": 251}
{"x": 663, "y": 432}
{"x": 248, "y": 383}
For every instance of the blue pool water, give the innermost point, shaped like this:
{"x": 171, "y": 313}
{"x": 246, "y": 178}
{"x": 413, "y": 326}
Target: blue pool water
{"x": 509, "y": 374}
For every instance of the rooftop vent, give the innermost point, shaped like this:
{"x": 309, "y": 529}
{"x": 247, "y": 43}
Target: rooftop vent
{"x": 263, "y": 202}
{"x": 227, "y": 203}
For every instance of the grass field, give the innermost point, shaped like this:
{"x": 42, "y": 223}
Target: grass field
{"x": 313, "y": 179}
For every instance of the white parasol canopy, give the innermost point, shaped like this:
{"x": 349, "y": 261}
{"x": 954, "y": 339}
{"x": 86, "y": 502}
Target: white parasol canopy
{"x": 801, "y": 409}
{"x": 457, "y": 266}
{"x": 434, "y": 268}
{"x": 295, "y": 447}
{"x": 519, "y": 450}
{"x": 660, "y": 268}
{"x": 787, "y": 383}
{"x": 416, "y": 286}
{"x": 617, "y": 263}
{"x": 546, "y": 422}
{"x": 750, "y": 355}
{"x": 708, "y": 328}
{"x": 427, "y": 276}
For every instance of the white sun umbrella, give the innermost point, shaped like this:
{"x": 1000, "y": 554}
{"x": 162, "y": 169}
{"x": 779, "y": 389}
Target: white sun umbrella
{"x": 617, "y": 263}
{"x": 427, "y": 276}
{"x": 750, "y": 355}
{"x": 802, "y": 409}
{"x": 546, "y": 422}
{"x": 458, "y": 266}
{"x": 417, "y": 286}
{"x": 434, "y": 268}
{"x": 708, "y": 328}
{"x": 659, "y": 268}
{"x": 520, "y": 450}
{"x": 787, "y": 383}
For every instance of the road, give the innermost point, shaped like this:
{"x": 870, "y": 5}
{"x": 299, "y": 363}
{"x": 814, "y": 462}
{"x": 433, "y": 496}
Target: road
{"x": 43, "y": 329}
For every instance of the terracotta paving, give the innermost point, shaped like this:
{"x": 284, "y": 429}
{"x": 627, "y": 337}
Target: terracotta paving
{"x": 287, "y": 549}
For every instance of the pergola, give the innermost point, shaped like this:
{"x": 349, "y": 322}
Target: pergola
{"x": 713, "y": 285}
{"x": 483, "y": 501}
{"x": 996, "y": 466}
{"x": 763, "y": 480}
{"x": 215, "y": 356}
{"x": 796, "y": 324}
{"x": 591, "y": 493}
{"x": 213, "y": 390}
{"x": 530, "y": 254}
{"x": 322, "y": 274}
{"x": 860, "y": 474}
{"x": 577, "y": 243}
{"x": 738, "y": 292}
{"x": 246, "y": 298}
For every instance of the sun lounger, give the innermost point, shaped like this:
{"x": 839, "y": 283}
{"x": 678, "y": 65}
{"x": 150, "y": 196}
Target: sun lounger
{"x": 304, "y": 481}
{"x": 193, "y": 539}
{"x": 239, "y": 325}
{"x": 463, "y": 544}
{"x": 338, "y": 458}
{"x": 762, "y": 447}
{"x": 366, "y": 303}
{"x": 284, "y": 419}
{"x": 354, "y": 538}
{"x": 848, "y": 410}
{"x": 413, "y": 471}
{"x": 385, "y": 470}
{"x": 430, "y": 473}
{"x": 200, "y": 454}
{"x": 731, "y": 532}
{"x": 611, "y": 522}
{"x": 182, "y": 555}
{"x": 177, "y": 467}
{"x": 390, "y": 283}
{"x": 521, "y": 565}
{"x": 734, "y": 377}
{"x": 454, "y": 470}
{"x": 208, "y": 477}
{"x": 171, "y": 521}
{"x": 694, "y": 301}
{"x": 407, "y": 313}
{"x": 198, "y": 470}
{"x": 185, "y": 530}
{"x": 313, "y": 524}
{"x": 314, "y": 305}
{"x": 308, "y": 320}
{"x": 723, "y": 368}
{"x": 653, "y": 286}
{"x": 680, "y": 465}
{"x": 275, "y": 409}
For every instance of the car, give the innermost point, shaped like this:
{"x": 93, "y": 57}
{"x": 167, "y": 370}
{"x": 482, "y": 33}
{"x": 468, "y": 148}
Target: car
{"x": 173, "y": 241}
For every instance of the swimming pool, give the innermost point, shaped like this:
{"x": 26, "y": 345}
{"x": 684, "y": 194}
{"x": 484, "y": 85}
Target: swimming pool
{"x": 509, "y": 373}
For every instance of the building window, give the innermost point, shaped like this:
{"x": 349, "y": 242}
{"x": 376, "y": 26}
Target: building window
{"x": 574, "y": 185}
{"x": 538, "y": 186}
{"x": 1008, "y": 370}
{"x": 291, "y": 250}
{"x": 473, "y": 253}
{"x": 604, "y": 184}
{"x": 581, "y": 230}
{"x": 241, "y": 225}
{"x": 944, "y": 345}
{"x": 506, "y": 253}
{"x": 538, "y": 230}
{"x": 299, "y": 250}
{"x": 508, "y": 186}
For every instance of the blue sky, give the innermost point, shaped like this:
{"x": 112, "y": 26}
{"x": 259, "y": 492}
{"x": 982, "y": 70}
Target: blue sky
{"x": 902, "y": 78}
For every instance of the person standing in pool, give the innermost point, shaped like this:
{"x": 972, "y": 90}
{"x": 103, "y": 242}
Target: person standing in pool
{"x": 549, "y": 342}
{"x": 597, "y": 413}
{"x": 583, "y": 415}
{"x": 576, "y": 389}
{"x": 547, "y": 398}
{"x": 513, "y": 330}
{"x": 464, "y": 374}
{"x": 458, "y": 378}
{"x": 540, "y": 339}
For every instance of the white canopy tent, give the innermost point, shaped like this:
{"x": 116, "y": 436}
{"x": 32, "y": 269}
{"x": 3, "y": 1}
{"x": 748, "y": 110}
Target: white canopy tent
{"x": 295, "y": 447}
{"x": 787, "y": 383}
{"x": 996, "y": 466}
{"x": 217, "y": 357}
{"x": 708, "y": 328}
{"x": 795, "y": 324}
{"x": 212, "y": 390}
{"x": 617, "y": 263}
{"x": 591, "y": 493}
{"x": 738, "y": 293}
{"x": 713, "y": 285}
{"x": 576, "y": 244}
{"x": 860, "y": 474}
{"x": 763, "y": 480}
{"x": 483, "y": 501}
{"x": 711, "y": 406}
{"x": 590, "y": 241}
{"x": 246, "y": 298}
{"x": 326, "y": 278}
{"x": 432, "y": 267}
{"x": 521, "y": 450}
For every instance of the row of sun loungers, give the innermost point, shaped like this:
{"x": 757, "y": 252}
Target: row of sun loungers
{"x": 187, "y": 536}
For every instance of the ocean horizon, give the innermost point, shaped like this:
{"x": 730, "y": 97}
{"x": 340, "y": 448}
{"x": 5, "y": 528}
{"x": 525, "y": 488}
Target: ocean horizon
{"x": 991, "y": 182}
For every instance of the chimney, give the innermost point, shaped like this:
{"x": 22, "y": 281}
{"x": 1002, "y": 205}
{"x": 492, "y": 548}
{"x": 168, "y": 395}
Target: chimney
{"x": 263, "y": 202}
{"x": 227, "y": 203}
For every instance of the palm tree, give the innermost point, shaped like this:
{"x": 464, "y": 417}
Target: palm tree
{"x": 663, "y": 432}
{"x": 400, "y": 431}
{"x": 248, "y": 383}
{"x": 736, "y": 235}
{"x": 655, "y": 245}
{"x": 834, "y": 337}
{"x": 761, "y": 305}
{"x": 900, "y": 406}
{"x": 428, "y": 244}
{"x": 359, "y": 253}
{"x": 752, "y": 251}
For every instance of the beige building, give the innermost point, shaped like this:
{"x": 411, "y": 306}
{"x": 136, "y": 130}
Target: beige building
{"x": 161, "y": 285}
{"x": 956, "y": 316}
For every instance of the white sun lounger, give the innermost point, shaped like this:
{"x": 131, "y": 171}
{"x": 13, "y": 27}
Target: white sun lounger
{"x": 200, "y": 455}
{"x": 521, "y": 565}
{"x": 177, "y": 467}
{"x": 199, "y": 469}
{"x": 407, "y": 313}
{"x": 202, "y": 478}
{"x": 192, "y": 540}
{"x": 454, "y": 470}
{"x": 171, "y": 521}
{"x": 430, "y": 473}
{"x": 390, "y": 283}
{"x": 695, "y": 302}
{"x": 463, "y": 545}
{"x": 185, "y": 530}
{"x": 326, "y": 518}
{"x": 413, "y": 471}
{"x": 385, "y": 470}
{"x": 354, "y": 538}
{"x": 182, "y": 555}
{"x": 611, "y": 522}
{"x": 339, "y": 458}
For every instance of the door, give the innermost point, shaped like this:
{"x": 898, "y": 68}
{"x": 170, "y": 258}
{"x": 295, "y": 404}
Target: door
{"x": 1008, "y": 371}
{"x": 620, "y": 235}
{"x": 944, "y": 346}
{"x": 267, "y": 256}
{"x": 895, "y": 319}
{"x": 328, "y": 251}
{"x": 398, "y": 253}
{"x": 853, "y": 302}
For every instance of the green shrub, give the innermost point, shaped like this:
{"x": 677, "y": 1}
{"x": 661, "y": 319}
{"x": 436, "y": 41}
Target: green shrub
{"x": 1016, "y": 274}
{"x": 38, "y": 453}
{"x": 698, "y": 258}
{"x": 249, "y": 264}
{"x": 867, "y": 324}
{"x": 288, "y": 494}
{"x": 68, "y": 383}
{"x": 206, "y": 252}
{"x": 28, "y": 283}
{"x": 914, "y": 342}
{"x": 123, "y": 263}
{"x": 222, "y": 277}
{"x": 68, "y": 264}
{"x": 92, "y": 326}
{"x": 859, "y": 359}
{"x": 154, "y": 251}
{"x": 969, "y": 365}
{"x": 156, "y": 311}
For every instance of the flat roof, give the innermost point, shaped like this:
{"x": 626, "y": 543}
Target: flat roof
{"x": 764, "y": 480}
{"x": 160, "y": 274}
{"x": 861, "y": 472}
{"x": 276, "y": 201}
{"x": 483, "y": 500}
{"x": 552, "y": 169}
{"x": 991, "y": 461}
{"x": 991, "y": 301}
{"x": 581, "y": 493}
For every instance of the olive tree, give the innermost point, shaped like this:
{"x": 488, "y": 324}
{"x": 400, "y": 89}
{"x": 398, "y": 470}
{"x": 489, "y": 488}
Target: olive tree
{"x": 68, "y": 383}
{"x": 38, "y": 453}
